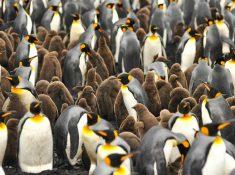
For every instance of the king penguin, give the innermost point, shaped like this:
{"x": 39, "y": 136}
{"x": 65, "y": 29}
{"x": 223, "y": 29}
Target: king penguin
{"x": 76, "y": 28}
{"x": 37, "y": 156}
{"x": 152, "y": 46}
{"x": 132, "y": 93}
{"x": 230, "y": 65}
{"x": 3, "y": 137}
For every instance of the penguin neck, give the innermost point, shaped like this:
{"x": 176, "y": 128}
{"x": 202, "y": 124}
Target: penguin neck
{"x": 2, "y": 126}
{"x": 37, "y": 118}
{"x": 122, "y": 170}
{"x": 186, "y": 116}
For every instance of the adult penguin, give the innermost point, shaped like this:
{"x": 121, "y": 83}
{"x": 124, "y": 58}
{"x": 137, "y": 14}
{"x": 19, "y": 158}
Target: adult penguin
{"x": 75, "y": 66}
{"x": 129, "y": 57}
{"x": 152, "y": 46}
{"x": 188, "y": 49}
{"x": 76, "y": 28}
{"x": 184, "y": 122}
{"x": 216, "y": 109}
{"x": 37, "y": 8}
{"x": 200, "y": 74}
{"x": 155, "y": 150}
{"x": 22, "y": 24}
{"x": 90, "y": 16}
{"x": 51, "y": 19}
{"x": 230, "y": 65}
{"x": 37, "y": 157}
{"x": 92, "y": 140}
{"x": 68, "y": 134}
{"x": 113, "y": 164}
{"x": 221, "y": 78}
{"x": 4, "y": 137}
{"x": 132, "y": 93}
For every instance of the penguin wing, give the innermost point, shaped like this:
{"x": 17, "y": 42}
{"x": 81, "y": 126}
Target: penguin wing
{"x": 230, "y": 80}
{"x": 172, "y": 121}
{"x": 138, "y": 92}
{"x": 230, "y": 148}
{"x": 228, "y": 41}
{"x": 74, "y": 136}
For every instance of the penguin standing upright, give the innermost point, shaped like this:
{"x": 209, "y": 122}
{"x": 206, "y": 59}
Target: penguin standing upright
{"x": 230, "y": 65}
{"x": 152, "y": 46}
{"x": 76, "y": 28}
{"x": 132, "y": 93}
{"x": 22, "y": 24}
{"x": 3, "y": 138}
{"x": 37, "y": 156}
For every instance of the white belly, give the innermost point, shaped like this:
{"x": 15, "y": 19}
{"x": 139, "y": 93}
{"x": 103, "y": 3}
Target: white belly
{"x": 82, "y": 122}
{"x": 34, "y": 70}
{"x": 93, "y": 41}
{"x": 36, "y": 147}
{"x": 27, "y": 98}
{"x": 215, "y": 164}
{"x": 83, "y": 67}
{"x": 151, "y": 48}
{"x": 76, "y": 31}
{"x": 188, "y": 55}
{"x": 55, "y": 22}
{"x": 231, "y": 67}
{"x": 2, "y": 171}
{"x": 129, "y": 102}
{"x": 229, "y": 164}
{"x": 115, "y": 17}
{"x": 29, "y": 24}
{"x": 187, "y": 127}
{"x": 117, "y": 41}
{"x": 224, "y": 31}
{"x": 205, "y": 115}
{"x": 3, "y": 142}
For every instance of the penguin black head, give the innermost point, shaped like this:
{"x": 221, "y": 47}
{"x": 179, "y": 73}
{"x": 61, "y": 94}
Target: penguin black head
{"x": 84, "y": 47}
{"x": 209, "y": 22}
{"x": 76, "y": 16}
{"x": 96, "y": 26}
{"x": 16, "y": 6}
{"x": 125, "y": 78}
{"x": 115, "y": 160}
{"x": 227, "y": 7}
{"x": 35, "y": 107}
{"x": 221, "y": 60}
{"x": 203, "y": 59}
{"x": 124, "y": 27}
{"x": 26, "y": 62}
{"x": 119, "y": 4}
{"x": 194, "y": 33}
{"x": 110, "y": 5}
{"x": 92, "y": 119}
{"x": 212, "y": 129}
{"x": 184, "y": 107}
{"x": 211, "y": 91}
{"x": 130, "y": 22}
{"x": 219, "y": 17}
{"x": 153, "y": 29}
{"x": 183, "y": 149}
{"x": 14, "y": 80}
{"x": 108, "y": 135}
{"x": 3, "y": 115}
{"x": 54, "y": 8}
{"x": 31, "y": 39}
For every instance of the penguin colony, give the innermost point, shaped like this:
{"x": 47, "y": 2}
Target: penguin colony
{"x": 117, "y": 87}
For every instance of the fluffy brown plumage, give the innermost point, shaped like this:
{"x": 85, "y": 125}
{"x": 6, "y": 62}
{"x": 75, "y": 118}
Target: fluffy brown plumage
{"x": 128, "y": 125}
{"x": 83, "y": 103}
{"x": 48, "y": 38}
{"x": 141, "y": 35}
{"x": 3, "y": 53}
{"x": 138, "y": 74}
{"x": 165, "y": 116}
{"x": 199, "y": 91}
{"x": 56, "y": 44}
{"x": 41, "y": 87}
{"x": 9, "y": 47}
{"x": 92, "y": 79}
{"x": 173, "y": 80}
{"x": 188, "y": 73}
{"x": 41, "y": 33}
{"x": 176, "y": 69}
{"x": 132, "y": 140}
{"x": 120, "y": 109}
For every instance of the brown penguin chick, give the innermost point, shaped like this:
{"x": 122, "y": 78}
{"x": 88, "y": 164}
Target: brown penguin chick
{"x": 132, "y": 140}
{"x": 12, "y": 62}
{"x": 231, "y": 101}
{"x": 62, "y": 34}
{"x": 107, "y": 55}
{"x": 140, "y": 35}
{"x": 120, "y": 110}
{"x": 41, "y": 53}
{"x": 91, "y": 79}
{"x": 164, "y": 90}
{"x": 97, "y": 61}
{"x": 173, "y": 80}
{"x": 89, "y": 94}
{"x": 128, "y": 125}
{"x": 146, "y": 119}
{"x": 2, "y": 99}
{"x": 106, "y": 95}
{"x": 41, "y": 33}
{"x": 72, "y": 44}
{"x": 188, "y": 73}
{"x": 143, "y": 10}
{"x": 83, "y": 103}
{"x": 64, "y": 107}
{"x": 3, "y": 53}
{"x": 16, "y": 40}
{"x": 10, "y": 158}
{"x": 5, "y": 84}
{"x": 191, "y": 101}
{"x": 138, "y": 74}
{"x": 233, "y": 110}
{"x": 41, "y": 87}
{"x": 12, "y": 40}
{"x": 49, "y": 108}
{"x": 165, "y": 116}
{"x": 57, "y": 45}
{"x": 199, "y": 91}
{"x": 50, "y": 68}
{"x": 176, "y": 69}
{"x": 177, "y": 95}
{"x": 59, "y": 94}
{"x": 160, "y": 59}
{"x": 144, "y": 20}
{"x": 8, "y": 44}
{"x": 153, "y": 95}
{"x": 48, "y": 38}
{"x": 55, "y": 78}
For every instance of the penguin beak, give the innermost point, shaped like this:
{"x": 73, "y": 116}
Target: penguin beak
{"x": 8, "y": 78}
{"x": 206, "y": 86}
{"x": 198, "y": 34}
{"x": 8, "y": 114}
{"x": 38, "y": 104}
{"x": 224, "y": 125}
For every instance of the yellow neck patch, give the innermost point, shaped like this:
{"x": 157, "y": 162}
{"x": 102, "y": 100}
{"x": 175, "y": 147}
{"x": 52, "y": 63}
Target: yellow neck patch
{"x": 17, "y": 91}
{"x": 86, "y": 131}
{"x": 232, "y": 62}
{"x": 218, "y": 140}
{"x": 220, "y": 23}
{"x": 186, "y": 117}
{"x": 153, "y": 37}
{"x": 120, "y": 171}
{"x": 37, "y": 118}
{"x": 124, "y": 87}
{"x": 2, "y": 126}
{"x": 192, "y": 39}
{"x": 108, "y": 147}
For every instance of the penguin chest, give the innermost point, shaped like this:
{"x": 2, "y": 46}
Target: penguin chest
{"x": 25, "y": 97}
{"x": 205, "y": 113}
{"x": 32, "y": 51}
{"x": 151, "y": 48}
{"x": 29, "y": 24}
{"x": 36, "y": 145}
{"x": 188, "y": 54}
{"x": 3, "y": 141}
{"x": 187, "y": 127}
{"x": 215, "y": 161}
{"x": 168, "y": 147}
{"x": 83, "y": 67}
{"x": 229, "y": 164}
{"x": 76, "y": 30}
{"x": 117, "y": 41}
{"x": 93, "y": 41}
{"x": 55, "y": 22}
{"x": 115, "y": 17}
{"x": 230, "y": 65}
{"x": 130, "y": 102}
